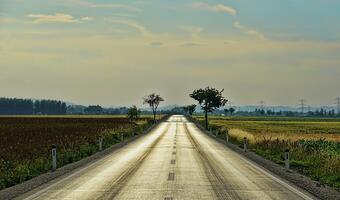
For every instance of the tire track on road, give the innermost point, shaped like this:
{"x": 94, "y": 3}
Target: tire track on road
{"x": 118, "y": 184}
{"x": 213, "y": 173}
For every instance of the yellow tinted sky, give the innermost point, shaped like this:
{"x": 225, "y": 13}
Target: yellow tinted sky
{"x": 99, "y": 52}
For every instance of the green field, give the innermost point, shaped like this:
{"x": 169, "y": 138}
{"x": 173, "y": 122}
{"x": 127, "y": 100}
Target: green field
{"x": 314, "y": 143}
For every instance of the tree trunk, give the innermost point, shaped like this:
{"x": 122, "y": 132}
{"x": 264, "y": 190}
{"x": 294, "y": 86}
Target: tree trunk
{"x": 154, "y": 117}
{"x": 206, "y": 120}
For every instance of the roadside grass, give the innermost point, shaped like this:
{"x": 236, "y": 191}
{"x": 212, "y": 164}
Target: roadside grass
{"x": 76, "y": 116}
{"x": 25, "y": 146}
{"x": 314, "y": 145}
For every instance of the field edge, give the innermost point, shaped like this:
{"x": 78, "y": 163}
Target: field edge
{"x": 301, "y": 181}
{"x": 22, "y": 188}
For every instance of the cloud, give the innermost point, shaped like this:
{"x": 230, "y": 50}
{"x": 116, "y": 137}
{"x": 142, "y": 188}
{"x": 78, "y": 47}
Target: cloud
{"x": 144, "y": 31}
{"x": 56, "y": 18}
{"x": 86, "y": 19}
{"x": 230, "y": 11}
{"x": 194, "y": 30}
{"x": 216, "y": 8}
{"x": 123, "y": 15}
{"x": 192, "y": 44}
{"x": 5, "y": 20}
{"x": 248, "y": 31}
{"x": 156, "y": 43}
{"x": 106, "y": 5}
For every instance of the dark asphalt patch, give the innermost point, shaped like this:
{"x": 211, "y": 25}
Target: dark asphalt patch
{"x": 171, "y": 176}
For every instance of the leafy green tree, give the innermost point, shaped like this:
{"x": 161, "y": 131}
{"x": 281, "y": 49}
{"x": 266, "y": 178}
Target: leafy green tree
{"x": 94, "y": 110}
{"x": 191, "y": 109}
{"x": 210, "y": 99}
{"x": 231, "y": 110}
{"x": 226, "y": 111}
{"x": 153, "y": 100}
{"x": 133, "y": 113}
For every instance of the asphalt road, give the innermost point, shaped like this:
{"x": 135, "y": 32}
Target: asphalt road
{"x": 174, "y": 161}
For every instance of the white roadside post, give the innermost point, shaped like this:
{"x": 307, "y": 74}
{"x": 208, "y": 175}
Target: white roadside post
{"x": 287, "y": 159}
{"x": 227, "y": 136}
{"x": 54, "y": 157}
{"x": 100, "y": 143}
{"x": 245, "y": 144}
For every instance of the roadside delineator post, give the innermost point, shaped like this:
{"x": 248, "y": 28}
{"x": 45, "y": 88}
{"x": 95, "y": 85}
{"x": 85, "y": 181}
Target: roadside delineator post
{"x": 245, "y": 144}
{"x": 286, "y": 155}
{"x": 54, "y": 157}
{"x": 100, "y": 143}
{"x": 227, "y": 137}
{"x": 122, "y": 137}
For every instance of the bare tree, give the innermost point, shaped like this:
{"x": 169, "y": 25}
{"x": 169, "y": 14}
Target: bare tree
{"x": 153, "y": 100}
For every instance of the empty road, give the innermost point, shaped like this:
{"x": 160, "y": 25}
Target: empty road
{"x": 174, "y": 161}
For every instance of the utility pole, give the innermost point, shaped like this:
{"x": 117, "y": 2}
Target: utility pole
{"x": 262, "y": 103}
{"x": 303, "y": 105}
{"x": 338, "y": 104}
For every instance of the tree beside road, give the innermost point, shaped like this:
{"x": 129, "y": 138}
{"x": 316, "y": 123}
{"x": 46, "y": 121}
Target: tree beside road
{"x": 210, "y": 99}
{"x": 153, "y": 100}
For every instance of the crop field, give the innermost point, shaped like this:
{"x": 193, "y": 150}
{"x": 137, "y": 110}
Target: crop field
{"x": 285, "y": 128}
{"x": 25, "y": 144}
{"x": 314, "y": 143}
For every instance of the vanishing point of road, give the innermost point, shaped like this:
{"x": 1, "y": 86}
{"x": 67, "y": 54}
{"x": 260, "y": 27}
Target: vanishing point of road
{"x": 174, "y": 161}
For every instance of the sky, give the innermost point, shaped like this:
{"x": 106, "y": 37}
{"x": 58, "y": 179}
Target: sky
{"x": 113, "y": 53}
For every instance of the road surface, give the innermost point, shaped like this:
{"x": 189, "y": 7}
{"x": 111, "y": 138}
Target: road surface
{"x": 174, "y": 161}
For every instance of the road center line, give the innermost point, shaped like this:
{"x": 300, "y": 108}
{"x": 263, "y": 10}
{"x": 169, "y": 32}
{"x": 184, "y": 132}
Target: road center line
{"x": 171, "y": 176}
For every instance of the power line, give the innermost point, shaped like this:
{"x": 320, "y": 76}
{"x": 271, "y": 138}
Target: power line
{"x": 302, "y": 104}
{"x": 338, "y": 104}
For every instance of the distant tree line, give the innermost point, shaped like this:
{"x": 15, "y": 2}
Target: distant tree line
{"x": 14, "y": 106}
{"x": 284, "y": 113}
{"x": 317, "y": 113}
{"x": 49, "y": 107}
{"x": 95, "y": 110}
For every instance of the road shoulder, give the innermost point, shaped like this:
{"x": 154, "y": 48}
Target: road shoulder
{"x": 299, "y": 180}
{"x": 20, "y": 189}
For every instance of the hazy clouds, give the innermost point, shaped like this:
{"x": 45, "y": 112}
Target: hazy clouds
{"x": 99, "y": 54}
